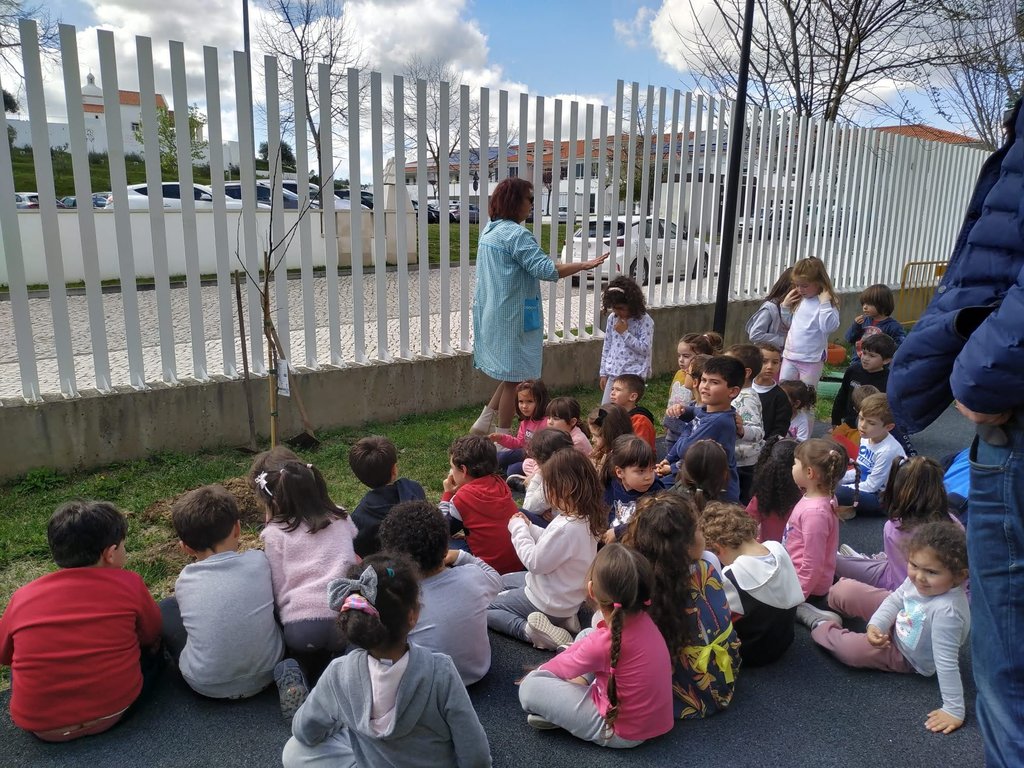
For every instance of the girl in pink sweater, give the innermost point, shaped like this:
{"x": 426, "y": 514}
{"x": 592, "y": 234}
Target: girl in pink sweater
{"x": 308, "y": 541}
{"x": 613, "y": 685}
{"x": 812, "y": 532}
{"x": 531, "y": 404}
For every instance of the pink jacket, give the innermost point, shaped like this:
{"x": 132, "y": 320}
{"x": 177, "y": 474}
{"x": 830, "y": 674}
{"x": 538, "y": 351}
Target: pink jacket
{"x": 527, "y": 429}
{"x": 811, "y": 538}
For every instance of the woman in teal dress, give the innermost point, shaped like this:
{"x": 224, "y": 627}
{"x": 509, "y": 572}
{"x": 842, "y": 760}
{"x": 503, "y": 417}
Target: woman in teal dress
{"x": 508, "y": 323}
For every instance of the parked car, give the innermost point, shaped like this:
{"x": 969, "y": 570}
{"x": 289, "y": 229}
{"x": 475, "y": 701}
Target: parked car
{"x": 642, "y": 242}
{"x": 99, "y": 200}
{"x": 433, "y": 214}
{"x": 138, "y": 197}
{"x": 563, "y": 214}
{"x": 264, "y": 195}
{"x": 340, "y": 203}
{"x": 472, "y": 212}
{"x": 26, "y": 200}
{"x": 365, "y": 196}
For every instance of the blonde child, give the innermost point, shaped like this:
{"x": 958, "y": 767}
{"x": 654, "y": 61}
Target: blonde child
{"x": 862, "y": 486}
{"x": 389, "y": 698}
{"x": 760, "y": 582}
{"x": 775, "y": 493}
{"x": 606, "y": 423}
{"x": 308, "y": 540}
{"x": 531, "y": 403}
{"x": 812, "y": 532}
{"x": 628, "y": 476}
{"x": 628, "y": 335}
{"x": 813, "y": 310}
{"x": 613, "y": 686}
{"x": 692, "y": 613}
{"x": 539, "y": 605}
{"x": 920, "y": 627}
{"x": 802, "y": 399}
{"x": 704, "y": 473}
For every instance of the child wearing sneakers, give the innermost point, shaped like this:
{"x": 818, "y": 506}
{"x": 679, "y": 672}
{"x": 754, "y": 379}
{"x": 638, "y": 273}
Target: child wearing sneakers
{"x": 374, "y": 461}
{"x": 749, "y": 421}
{"x": 455, "y": 589}
{"x": 862, "y": 487}
{"x": 83, "y": 643}
{"x": 627, "y": 389}
{"x": 220, "y": 623}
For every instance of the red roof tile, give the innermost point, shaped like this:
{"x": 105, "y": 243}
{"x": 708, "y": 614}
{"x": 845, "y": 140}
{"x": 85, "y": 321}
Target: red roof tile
{"x": 926, "y": 132}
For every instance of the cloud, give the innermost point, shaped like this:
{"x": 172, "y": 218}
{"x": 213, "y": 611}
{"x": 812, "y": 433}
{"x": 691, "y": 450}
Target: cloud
{"x": 636, "y": 31}
{"x": 674, "y": 22}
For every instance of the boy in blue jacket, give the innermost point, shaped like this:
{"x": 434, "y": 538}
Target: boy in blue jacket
{"x": 969, "y": 347}
{"x": 714, "y": 419}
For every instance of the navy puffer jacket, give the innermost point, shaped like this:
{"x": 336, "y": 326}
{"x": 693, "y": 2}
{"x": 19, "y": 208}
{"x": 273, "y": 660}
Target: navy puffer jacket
{"x": 969, "y": 344}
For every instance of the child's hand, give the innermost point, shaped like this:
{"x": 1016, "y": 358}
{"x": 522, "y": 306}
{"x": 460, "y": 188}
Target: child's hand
{"x": 520, "y": 516}
{"x": 674, "y": 411}
{"x": 621, "y": 325}
{"x": 663, "y": 468}
{"x": 859, "y": 319}
{"x": 739, "y": 425}
{"x": 792, "y": 299}
{"x": 602, "y": 383}
{"x": 449, "y": 484}
{"x": 876, "y": 637}
{"x": 608, "y": 537}
{"x": 451, "y": 557}
{"x": 940, "y": 721}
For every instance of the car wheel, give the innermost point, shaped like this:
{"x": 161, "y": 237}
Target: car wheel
{"x": 647, "y": 271}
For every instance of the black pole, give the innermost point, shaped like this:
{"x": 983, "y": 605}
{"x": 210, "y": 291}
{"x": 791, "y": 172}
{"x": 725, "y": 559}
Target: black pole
{"x": 732, "y": 184}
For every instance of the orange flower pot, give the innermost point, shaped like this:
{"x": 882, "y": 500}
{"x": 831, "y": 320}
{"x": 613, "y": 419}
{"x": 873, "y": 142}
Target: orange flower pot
{"x": 836, "y": 354}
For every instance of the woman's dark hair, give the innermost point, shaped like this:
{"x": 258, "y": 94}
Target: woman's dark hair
{"x": 417, "y": 529}
{"x": 566, "y": 409}
{"x": 627, "y": 451}
{"x": 781, "y": 287}
{"x": 915, "y": 493}
{"x": 398, "y": 594}
{"x": 624, "y": 290}
{"x": 622, "y": 581}
{"x": 946, "y": 539}
{"x": 801, "y": 396}
{"x": 663, "y": 529}
{"x": 80, "y": 531}
{"x": 704, "y": 472}
{"x": 708, "y": 343}
{"x": 546, "y": 442}
{"x": 506, "y": 201}
{"x": 477, "y": 454}
{"x": 571, "y": 484}
{"x": 773, "y": 484}
{"x": 609, "y": 422}
{"x": 540, "y": 397}
{"x": 296, "y": 494}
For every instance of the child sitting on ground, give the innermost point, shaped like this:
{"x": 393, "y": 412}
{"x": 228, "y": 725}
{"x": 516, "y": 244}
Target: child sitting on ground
{"x": 630, "y": 697}
{"x": 775, "y": 493}
{"x": 374, "y": 462}
{"x": 539, "y": 605}
{"x": 877, "y": 304}
{"x": 776, "y": 410}
{"x": 692, "y": 613}
{"x": 628, "y": 334}
{"x": 531, "y": 402}
{"x": 703, "y": 474}
{"x": 802, "y": 398}
{"x": 628, "y": 476}
{"x": 862, "y": 487}
{"x": 715, "y": 419}
{"x": 749, "y": 421}
{"x": 627, "y": 390}
{"x": 873, "y": 371}
{"x": 760, "y": 582}
{"x": 477, "y": 500}
{"x": 389, "y": 699}
{"x": 564, "y": 413}
{"x": 543, "y": 446}
{"x": 308, "y": 540}
{"x": 920, "y": 627}
{"x": 455, "y": 589}
{"x": 220, "y": 624}
{"x": 606, "y": 424}
{"x": 83, "y": 643}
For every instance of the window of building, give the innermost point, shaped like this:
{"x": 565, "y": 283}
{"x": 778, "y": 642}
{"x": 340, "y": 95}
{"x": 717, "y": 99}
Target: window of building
{"x": 136, "y": 127}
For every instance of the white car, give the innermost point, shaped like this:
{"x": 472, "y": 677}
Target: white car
{"x": 314, "y": 194}
{"x": 637, "y": 262}
{"x": 138, "y": 197}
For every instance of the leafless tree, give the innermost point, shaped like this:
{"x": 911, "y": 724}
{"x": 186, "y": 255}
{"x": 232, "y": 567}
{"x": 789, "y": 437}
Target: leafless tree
{"x": 987, "y": 71}
{"x": 316, "y": 32}
{"x": 819, "y": 58}
{"x": 11, "y": 13}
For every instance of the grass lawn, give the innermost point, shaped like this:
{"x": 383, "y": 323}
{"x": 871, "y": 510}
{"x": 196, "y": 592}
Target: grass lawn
{"x": 434, "y": 241}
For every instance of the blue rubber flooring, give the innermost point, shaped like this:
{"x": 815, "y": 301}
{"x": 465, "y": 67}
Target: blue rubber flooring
{"x": 805, "y": 710}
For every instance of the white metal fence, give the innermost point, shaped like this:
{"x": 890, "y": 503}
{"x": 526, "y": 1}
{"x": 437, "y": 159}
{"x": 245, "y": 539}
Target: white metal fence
{"x": 864, "y": 201}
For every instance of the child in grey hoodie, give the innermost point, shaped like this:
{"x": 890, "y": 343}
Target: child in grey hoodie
{"x": 388, "y": 703}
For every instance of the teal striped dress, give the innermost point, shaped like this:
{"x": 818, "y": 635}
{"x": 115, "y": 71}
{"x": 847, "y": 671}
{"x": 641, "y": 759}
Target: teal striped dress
{"x": 509, "y": 267}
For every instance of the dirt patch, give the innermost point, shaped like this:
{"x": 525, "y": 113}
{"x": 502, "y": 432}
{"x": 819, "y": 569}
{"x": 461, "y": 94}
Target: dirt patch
{"x": 249, "y": 509}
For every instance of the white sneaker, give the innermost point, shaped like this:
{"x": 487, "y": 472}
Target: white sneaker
{"x": 811, "y": 617}
{"x": 545, "y": 635}
{"x": 847, "y": 551}
{"x": 538, "y": 722}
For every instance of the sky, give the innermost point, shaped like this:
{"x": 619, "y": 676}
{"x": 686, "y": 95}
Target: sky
{"x": 575, "y": 49}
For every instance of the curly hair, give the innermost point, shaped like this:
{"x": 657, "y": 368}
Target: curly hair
{"x": 624, "y": 291}
{"x": 417, "y": 529}
{"x": 915, "y": 492}
{"x": 398, "y": 594}
{"x": 664, "y": 529}
{"x": 506, "y": 201}
{"x": 704, "y": 472}
{"x": 727, "y": 525}
{"x": 946, "y": 539}
{"x": 607, "y": 422}
{"x": 572, "y": 485}
{"x": 773, "y": 485}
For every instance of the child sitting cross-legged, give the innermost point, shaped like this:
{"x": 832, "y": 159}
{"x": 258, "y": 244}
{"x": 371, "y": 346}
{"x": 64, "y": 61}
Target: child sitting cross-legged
{"x": 455, "y": 590}
{"x": 760, "y": 582}
{"x": 862, "y": 487}
{"x": 531, "y": 403}
{"x": 389, "y": 701}
{"x": 83, "y": 643}
{"x": 627, "y": 389}
{"x": 220, "y": 624}
{"x": 564, "y": 413}
{"x": 374, "y": 462}
{"x": 920, "y": 627}
{"x": 613, "y": 685}
{"x": 477, "y": 500}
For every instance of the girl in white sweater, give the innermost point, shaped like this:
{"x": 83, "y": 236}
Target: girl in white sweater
{"x": 814, "y": 314}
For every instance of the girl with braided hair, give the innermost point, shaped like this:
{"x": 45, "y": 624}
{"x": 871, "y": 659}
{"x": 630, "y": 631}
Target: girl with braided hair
{"x": 613, "y": 685}
{"x": 355, "y": 715}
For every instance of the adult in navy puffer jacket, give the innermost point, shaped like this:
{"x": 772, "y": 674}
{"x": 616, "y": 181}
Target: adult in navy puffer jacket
{"x": 969, "y": 346}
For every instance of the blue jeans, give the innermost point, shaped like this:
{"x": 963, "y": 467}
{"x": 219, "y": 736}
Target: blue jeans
{"x": 868, "y": 504}
{"x": 995, "y": 546}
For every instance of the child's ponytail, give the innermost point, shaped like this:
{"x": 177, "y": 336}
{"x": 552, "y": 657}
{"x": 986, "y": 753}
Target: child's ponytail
{"x": 375, "y": 601}
{"x": 704, "y": 472}
{"x": 828, "y": 458}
